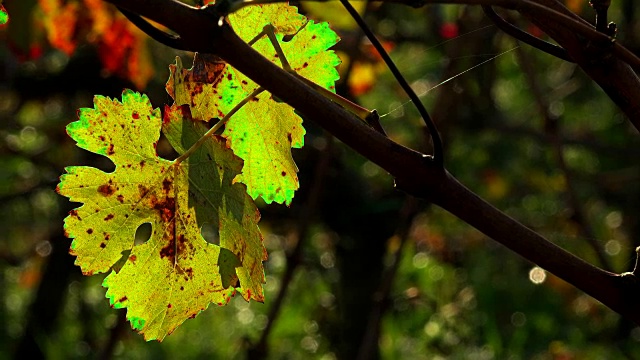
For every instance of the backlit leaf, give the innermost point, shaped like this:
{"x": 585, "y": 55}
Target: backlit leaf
{"x": 263, "y": 132}
{"x": 176, "y": 273}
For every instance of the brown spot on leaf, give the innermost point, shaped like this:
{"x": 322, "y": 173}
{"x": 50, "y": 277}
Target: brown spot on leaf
{"x": 89, "y": 231}
{"x": 166, "y": 185}
{"x": 197, "y": 89}
{"x": 189, "y": 272}
{"x": 132, "y": 258}
{"x": 169, "y": 306}
{"x": 106, "y": 189}
{"x": 74, "y": 213}
{"x": 166, "y": 208}
{"x": 169, "y": 251}
{"x": 290, "y": 138}
{"x": 142, "y": 163}
{"x": 110, "y": 150}
{"x": 284, "y": 173}
{"x": 103, "y": 245}
{"x": 165, "y": 114}
{"x": 102, "y": 138}
{"x": 107, "y": 236}
{"x": 142, "y": 189}
{"x": 122, "y": 299}
{"x": 181, "y": 287}
{"x": 305, "y": 65}
{"x": 108, "y": 217}
{"x": 135, "y": 115}
{"x": 121, "y": 198}
{"x": 206, "y": 68}
{"x": 186, "y": 111}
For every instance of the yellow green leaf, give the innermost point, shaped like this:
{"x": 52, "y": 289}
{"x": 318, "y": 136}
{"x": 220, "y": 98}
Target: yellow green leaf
{"x": 176, "y": 273}
{"x": 263, "y": 132}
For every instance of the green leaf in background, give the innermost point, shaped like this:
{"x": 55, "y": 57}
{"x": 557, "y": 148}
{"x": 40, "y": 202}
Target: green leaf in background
{"x": 263, "y": 132}
{"x": 4, "y": 15}
{"x": 176, "y": 273}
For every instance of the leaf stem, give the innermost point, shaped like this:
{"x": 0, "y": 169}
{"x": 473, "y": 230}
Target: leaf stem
{"x": 217, "y": 126}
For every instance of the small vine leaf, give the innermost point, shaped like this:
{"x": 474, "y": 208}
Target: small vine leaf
{"x": 263, "y": 132}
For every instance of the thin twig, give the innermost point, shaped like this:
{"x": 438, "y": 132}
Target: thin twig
{"x": 438, "y": 153}
{"x": 525, "y": 37}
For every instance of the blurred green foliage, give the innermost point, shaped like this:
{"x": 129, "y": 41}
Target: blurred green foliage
{"x": 456, "y": 294}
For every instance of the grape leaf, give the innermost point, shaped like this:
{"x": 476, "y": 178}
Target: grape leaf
{"x": 263, "y": 132}
{"x": 176, "y": 273}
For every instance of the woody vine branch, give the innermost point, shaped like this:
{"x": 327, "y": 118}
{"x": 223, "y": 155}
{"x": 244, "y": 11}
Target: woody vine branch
{"x": 416, "y": 173}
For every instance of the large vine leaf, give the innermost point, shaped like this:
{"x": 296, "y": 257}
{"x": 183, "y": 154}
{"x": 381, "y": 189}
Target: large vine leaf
{"x": 263, "y": 132}
{"x": 176, "y": 273}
